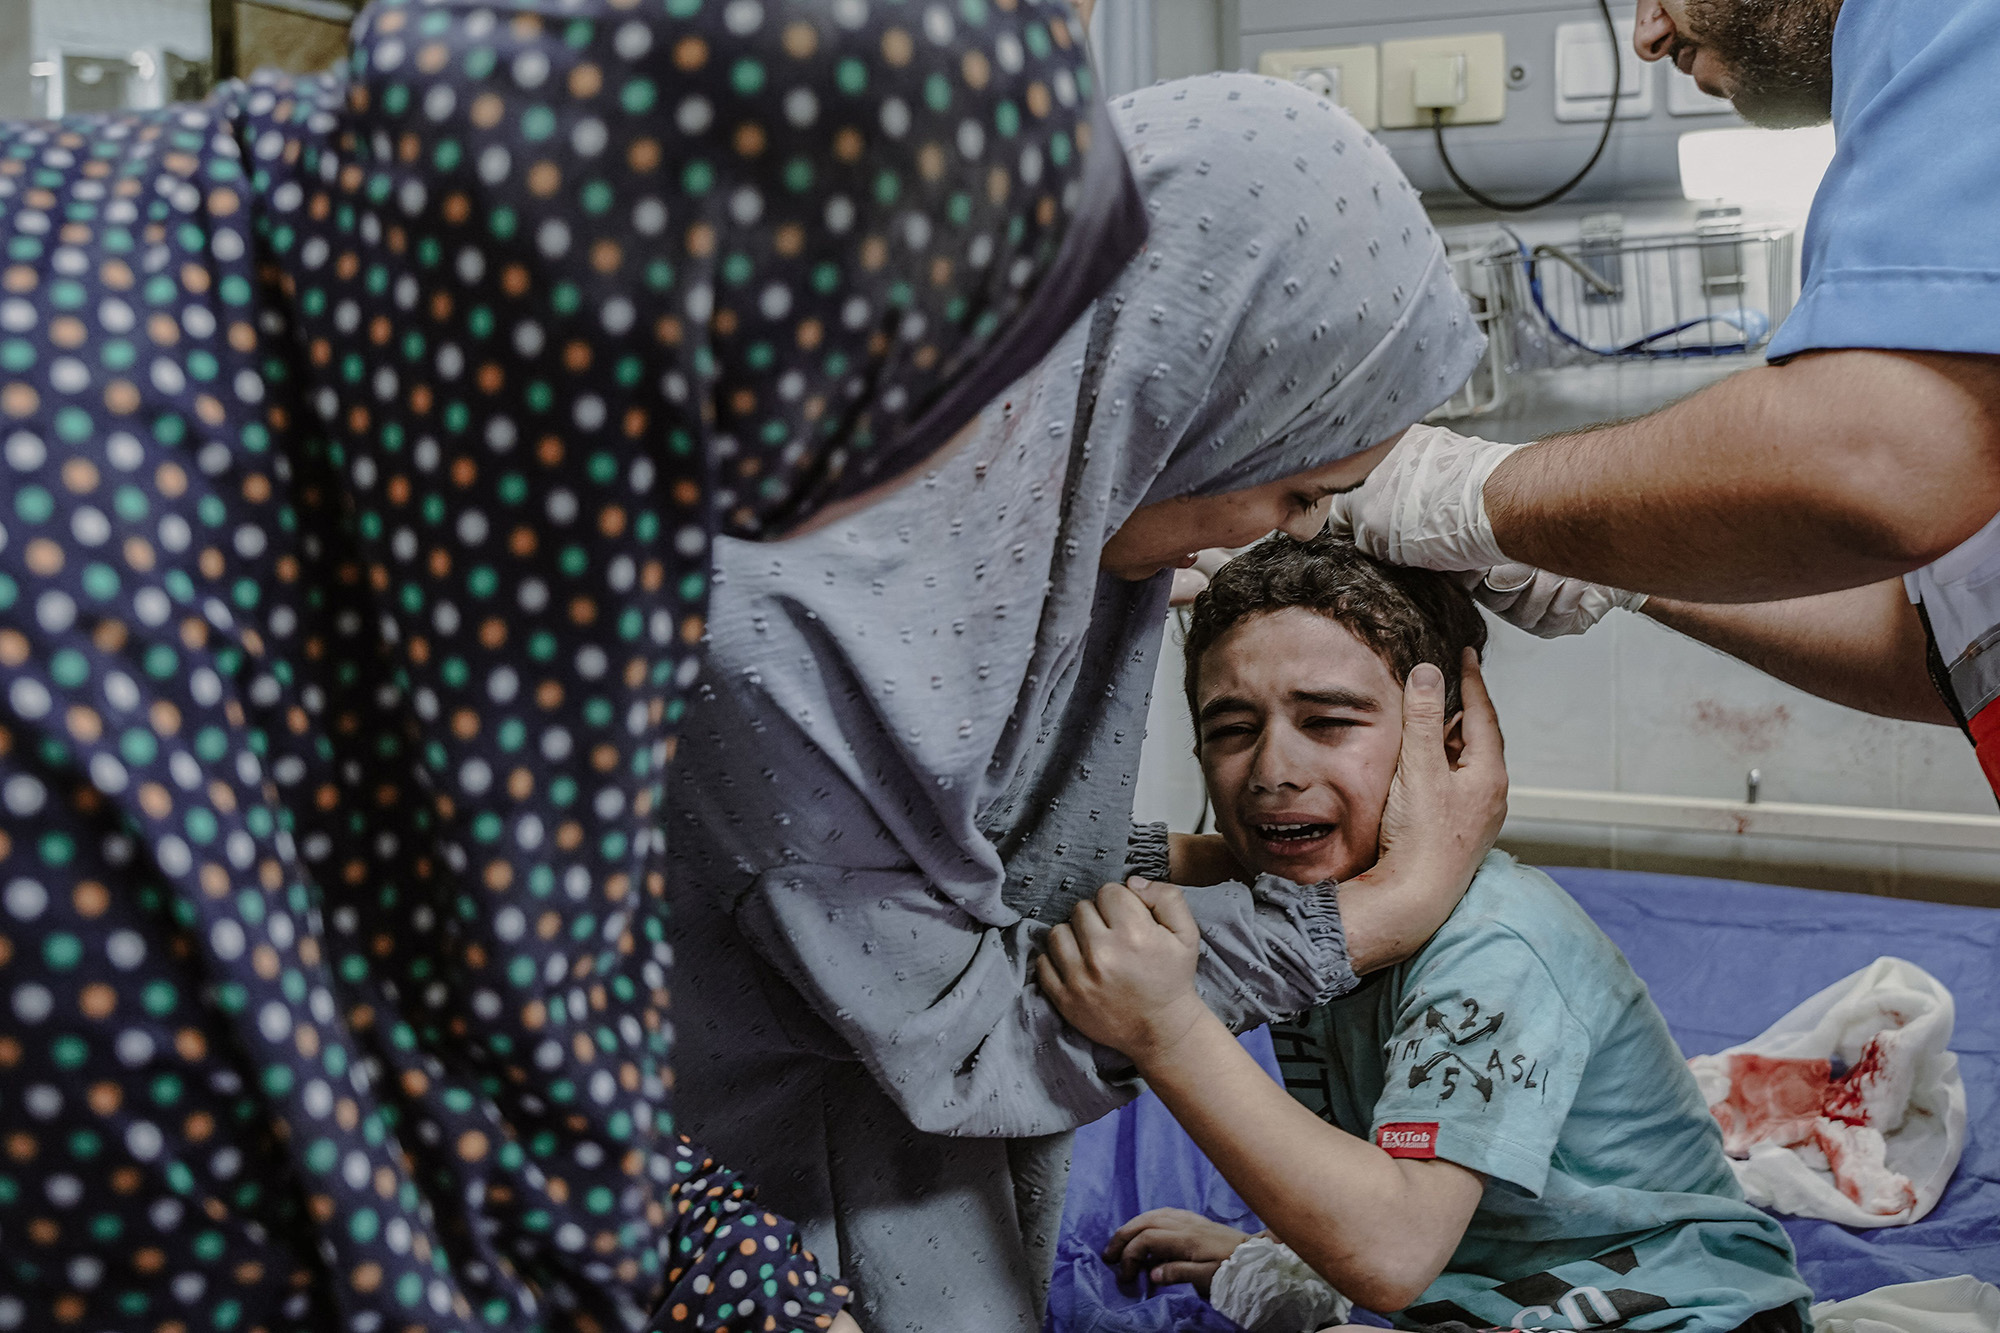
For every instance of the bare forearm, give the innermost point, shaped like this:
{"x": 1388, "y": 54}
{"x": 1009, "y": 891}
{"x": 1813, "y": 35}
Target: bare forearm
{"x": 1836, "y": 470}
{"x": 1388, "y": 912}
{"x": 1862, "y": 647}
{"x": 1344, "y": 1205}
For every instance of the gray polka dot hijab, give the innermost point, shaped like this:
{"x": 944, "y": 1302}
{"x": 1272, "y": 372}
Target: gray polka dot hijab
{"x": 1293, "y": 307}
{"x": 956, "y": 678}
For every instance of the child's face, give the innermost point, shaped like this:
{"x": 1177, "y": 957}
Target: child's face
{"x": 1298, "y": 726}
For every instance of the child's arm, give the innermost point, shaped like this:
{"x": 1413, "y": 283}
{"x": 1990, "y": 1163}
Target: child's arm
{"x": 1378, "y": 1228}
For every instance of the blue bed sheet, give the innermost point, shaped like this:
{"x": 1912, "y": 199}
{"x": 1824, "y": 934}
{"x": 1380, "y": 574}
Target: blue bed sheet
{"x": 1723, "y": 960}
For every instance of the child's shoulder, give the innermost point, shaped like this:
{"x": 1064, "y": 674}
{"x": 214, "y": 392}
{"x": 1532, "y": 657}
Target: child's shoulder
{"x": 1506, "y": 895}
{"x": 1515, "y": 908}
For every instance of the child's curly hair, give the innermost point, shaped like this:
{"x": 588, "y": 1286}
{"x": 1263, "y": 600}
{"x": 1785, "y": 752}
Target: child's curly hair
{"x": 1406, "y": 615}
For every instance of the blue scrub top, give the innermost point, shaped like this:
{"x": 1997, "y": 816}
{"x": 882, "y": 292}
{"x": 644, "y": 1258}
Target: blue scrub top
{"x": 1902, "y": 249}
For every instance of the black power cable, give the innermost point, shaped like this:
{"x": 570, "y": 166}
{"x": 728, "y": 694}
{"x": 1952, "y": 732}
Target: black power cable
{"x": 1610, "y": 118}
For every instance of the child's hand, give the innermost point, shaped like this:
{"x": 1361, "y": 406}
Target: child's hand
{"x": 1172, "y": 1245}
{"x": 1121, "y": 970}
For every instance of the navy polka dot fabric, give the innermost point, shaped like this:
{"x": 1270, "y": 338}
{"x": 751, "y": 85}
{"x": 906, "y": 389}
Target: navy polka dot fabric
{"x": 363, "y": 439}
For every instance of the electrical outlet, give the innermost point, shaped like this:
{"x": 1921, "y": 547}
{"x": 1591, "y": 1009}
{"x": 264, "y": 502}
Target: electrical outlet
{"x": 1347, "y": 75}
{"x": 1485, "y": 79}
{"x": 1437, "y": 83}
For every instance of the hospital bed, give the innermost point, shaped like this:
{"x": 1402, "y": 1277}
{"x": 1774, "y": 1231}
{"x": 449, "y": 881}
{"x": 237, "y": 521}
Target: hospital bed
{"x": 1723, "y": 960}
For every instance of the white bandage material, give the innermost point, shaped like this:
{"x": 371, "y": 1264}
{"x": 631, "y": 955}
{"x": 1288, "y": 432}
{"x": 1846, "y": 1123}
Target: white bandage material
{"x": 1890, "y": 1026}
{"x": 1544, "y": 604}
{"x": 1942, "y": 1305}
{"x": 1266, "y": 1288}
{"x": 1425, "y": 503}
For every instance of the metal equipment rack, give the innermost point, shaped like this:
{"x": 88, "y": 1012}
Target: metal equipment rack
{"x": 1713, "y": 293}
{"x": 1607, "y": 299}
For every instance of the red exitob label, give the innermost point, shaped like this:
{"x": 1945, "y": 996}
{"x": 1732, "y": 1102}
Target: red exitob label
{"x": 1408, "y": 1140}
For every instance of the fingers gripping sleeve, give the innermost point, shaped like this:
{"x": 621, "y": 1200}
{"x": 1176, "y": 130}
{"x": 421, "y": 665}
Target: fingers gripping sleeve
{"x": 938, "y": 1004}
{"x": 733, "y": 1265}
{"x": 942, "y": 1009}
{"x": 1269, "y": 950}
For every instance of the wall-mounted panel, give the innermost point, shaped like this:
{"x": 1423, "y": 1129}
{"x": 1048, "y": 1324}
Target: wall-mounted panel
{"x": 1348, "y": 76}
{"x": 1528, "y": 150}
{"x": 1482, "y": 79}
{"x": 1586, "y": 61}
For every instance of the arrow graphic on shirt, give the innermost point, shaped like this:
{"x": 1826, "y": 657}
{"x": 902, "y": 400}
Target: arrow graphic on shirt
{"x": 1421, "y": 1074}
{"x": 1435, "y": 1020}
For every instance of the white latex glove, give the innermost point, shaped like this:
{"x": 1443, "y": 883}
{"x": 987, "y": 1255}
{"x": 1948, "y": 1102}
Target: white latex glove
{"x": 1544, "y": 604}
{"x": 1425, "y": 503}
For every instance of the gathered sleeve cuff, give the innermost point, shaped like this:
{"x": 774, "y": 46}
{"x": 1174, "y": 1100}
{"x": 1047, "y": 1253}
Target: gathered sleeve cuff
{"x": 941, "y": 1006}
{"x": 1270, "y": 949}
{"x": 1146, "y": 851}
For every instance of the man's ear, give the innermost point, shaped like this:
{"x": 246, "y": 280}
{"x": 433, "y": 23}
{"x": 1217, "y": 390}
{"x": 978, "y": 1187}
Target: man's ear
{"x": 1454, "y": 736}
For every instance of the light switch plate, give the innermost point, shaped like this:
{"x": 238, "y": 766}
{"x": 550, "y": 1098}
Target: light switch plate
{"x": 1583, "y": 72}
{"x": 1485, "y": 79}
{"x": 1359, "y": 75}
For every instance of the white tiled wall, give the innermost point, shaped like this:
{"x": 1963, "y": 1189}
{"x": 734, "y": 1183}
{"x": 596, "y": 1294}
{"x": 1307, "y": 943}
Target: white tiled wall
{"x": 1635, "y": 707}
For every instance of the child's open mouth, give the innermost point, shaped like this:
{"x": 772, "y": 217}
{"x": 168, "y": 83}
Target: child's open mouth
{"x": 1292, "y": 837}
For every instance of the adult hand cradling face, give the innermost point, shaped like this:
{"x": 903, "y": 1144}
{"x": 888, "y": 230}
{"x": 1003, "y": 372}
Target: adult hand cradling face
{"x": 1330, "y": 741}
{"x": 1319, "y": 764}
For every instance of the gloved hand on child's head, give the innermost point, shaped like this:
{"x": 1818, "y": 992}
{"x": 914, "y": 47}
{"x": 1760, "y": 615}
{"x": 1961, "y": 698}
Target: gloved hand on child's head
{"x": 1425, "y": 503}
{"x": 1544, "y": 604}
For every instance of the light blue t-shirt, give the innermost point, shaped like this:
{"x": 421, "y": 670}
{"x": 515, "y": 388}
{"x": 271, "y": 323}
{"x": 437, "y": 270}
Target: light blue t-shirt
{"x": 1520, "y": 1044}
{"x": 1902, "y": 249}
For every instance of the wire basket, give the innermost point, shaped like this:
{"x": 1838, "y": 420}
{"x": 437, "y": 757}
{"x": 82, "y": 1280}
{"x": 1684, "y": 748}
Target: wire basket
{"x": 1649, "y": 298}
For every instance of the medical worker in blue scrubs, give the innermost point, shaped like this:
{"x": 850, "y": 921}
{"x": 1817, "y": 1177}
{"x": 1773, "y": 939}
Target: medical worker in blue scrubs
{"x": 1829, "y": 517}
